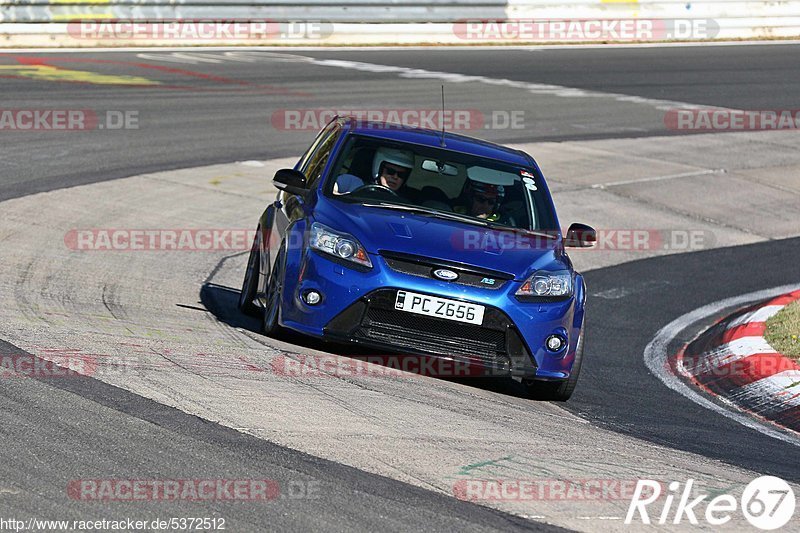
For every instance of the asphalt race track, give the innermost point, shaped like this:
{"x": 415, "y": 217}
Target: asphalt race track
{"x": 203, "y": 108}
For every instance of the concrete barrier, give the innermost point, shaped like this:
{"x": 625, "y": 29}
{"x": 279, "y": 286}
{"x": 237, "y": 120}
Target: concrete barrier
{"x": 90, "y": 23}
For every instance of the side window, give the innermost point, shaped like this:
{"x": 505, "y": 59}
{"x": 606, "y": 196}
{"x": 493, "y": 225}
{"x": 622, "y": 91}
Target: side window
{"x": 308, "y": 153}
{"x": 303, "y": 163}
{"x": 314, "y": 165}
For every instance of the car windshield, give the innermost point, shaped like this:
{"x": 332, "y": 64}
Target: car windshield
{"x": 441, "y": 183}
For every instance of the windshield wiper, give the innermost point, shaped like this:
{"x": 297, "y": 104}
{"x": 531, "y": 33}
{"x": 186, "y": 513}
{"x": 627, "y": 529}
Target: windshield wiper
{"x": 524, "y": 231}
{"x": 431, "y": 213}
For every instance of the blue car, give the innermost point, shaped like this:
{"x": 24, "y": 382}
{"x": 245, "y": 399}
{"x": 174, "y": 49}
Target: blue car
{"x": 423, "y": 243}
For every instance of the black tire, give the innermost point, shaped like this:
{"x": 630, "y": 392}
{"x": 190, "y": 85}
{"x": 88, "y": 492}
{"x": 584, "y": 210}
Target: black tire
{"x": 250, "y": 284}
{"x": 270, "y": 324}
{"x": 558, "y": 391}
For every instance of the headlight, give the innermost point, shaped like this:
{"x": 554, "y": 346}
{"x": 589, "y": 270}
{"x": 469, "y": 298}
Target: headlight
{"x": 340, "y": 245}
{"x": 545, "y": 284}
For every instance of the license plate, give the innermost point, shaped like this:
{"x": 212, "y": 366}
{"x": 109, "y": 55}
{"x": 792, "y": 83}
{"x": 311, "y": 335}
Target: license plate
{"x": 439, "y": 307}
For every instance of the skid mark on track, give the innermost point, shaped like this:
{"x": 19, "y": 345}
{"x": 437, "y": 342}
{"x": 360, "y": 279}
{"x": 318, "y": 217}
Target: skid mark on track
{"x": 109, "y": 299}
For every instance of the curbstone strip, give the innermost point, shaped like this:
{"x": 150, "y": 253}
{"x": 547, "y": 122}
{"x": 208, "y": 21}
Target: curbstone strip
{"x": 734, "y": 362}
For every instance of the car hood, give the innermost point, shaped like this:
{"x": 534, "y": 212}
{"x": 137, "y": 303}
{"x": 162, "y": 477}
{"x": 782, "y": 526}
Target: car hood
{"x": 515, "y": 253}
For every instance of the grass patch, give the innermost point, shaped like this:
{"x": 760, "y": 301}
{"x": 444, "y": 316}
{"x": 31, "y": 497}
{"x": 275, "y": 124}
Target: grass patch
{"x": 783, "y": 330}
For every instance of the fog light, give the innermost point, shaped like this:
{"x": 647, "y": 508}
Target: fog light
{"x": 312, "y": 297}
{"x": 555, "y": 343}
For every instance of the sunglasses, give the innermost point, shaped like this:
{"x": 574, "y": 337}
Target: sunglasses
{"x": 390, "y": 171}
{"x": 483, "y": 200}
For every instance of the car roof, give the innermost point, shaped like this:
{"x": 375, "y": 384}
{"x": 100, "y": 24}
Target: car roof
{"x": 433, "y": 138}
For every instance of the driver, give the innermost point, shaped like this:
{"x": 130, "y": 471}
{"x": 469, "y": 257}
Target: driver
{"x": 391, "y": 167}
{"x": 482, "y": 200}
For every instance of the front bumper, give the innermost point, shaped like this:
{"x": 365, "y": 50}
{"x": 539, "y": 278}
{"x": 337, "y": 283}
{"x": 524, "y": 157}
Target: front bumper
{"x": 358, "y": 307}
{"x": 495, "y": 345}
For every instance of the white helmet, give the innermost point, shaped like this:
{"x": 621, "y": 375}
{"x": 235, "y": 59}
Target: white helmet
{"x": 401, "y": 158}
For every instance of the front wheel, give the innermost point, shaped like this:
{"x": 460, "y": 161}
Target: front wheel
{"x": 251, "y": 275}
{"x": 271, "y": 326}
{"x": 558, "y": 391}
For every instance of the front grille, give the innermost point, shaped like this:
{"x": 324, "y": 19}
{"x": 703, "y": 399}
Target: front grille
{"x": 423, "y": 267}
{"x": 494, "y": 343}
{"x": 434, "y": 335}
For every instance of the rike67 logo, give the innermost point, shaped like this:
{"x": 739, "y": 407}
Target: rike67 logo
{"x": 767, "y": 503}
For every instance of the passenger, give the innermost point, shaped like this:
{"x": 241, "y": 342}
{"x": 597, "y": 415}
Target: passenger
{"x": 482, "y": 200}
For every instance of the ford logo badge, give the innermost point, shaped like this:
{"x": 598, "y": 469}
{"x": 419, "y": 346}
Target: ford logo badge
{"x": 446, "y": 275}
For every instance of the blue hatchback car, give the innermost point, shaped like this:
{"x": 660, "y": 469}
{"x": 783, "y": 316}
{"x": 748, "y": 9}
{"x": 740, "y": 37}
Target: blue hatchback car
{"x": 424, "y": 243}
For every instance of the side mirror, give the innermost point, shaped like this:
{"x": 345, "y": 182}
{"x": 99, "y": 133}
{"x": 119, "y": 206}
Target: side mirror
{"x": 580, "y": 236}
{"x": 290, "y": 180}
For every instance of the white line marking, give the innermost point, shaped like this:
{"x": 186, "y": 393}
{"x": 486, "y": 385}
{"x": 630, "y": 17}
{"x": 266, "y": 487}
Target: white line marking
{"x": 193, "y": 58}
{"x": 534, "y": 88}
{"x": 655, "y": 357}
{"x": 660, "y": 178}
{"x": 176, "y": 57}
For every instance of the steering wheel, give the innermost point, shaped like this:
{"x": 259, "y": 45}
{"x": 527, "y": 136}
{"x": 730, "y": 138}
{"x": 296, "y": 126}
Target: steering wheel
{"x": 374, "y": 187}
